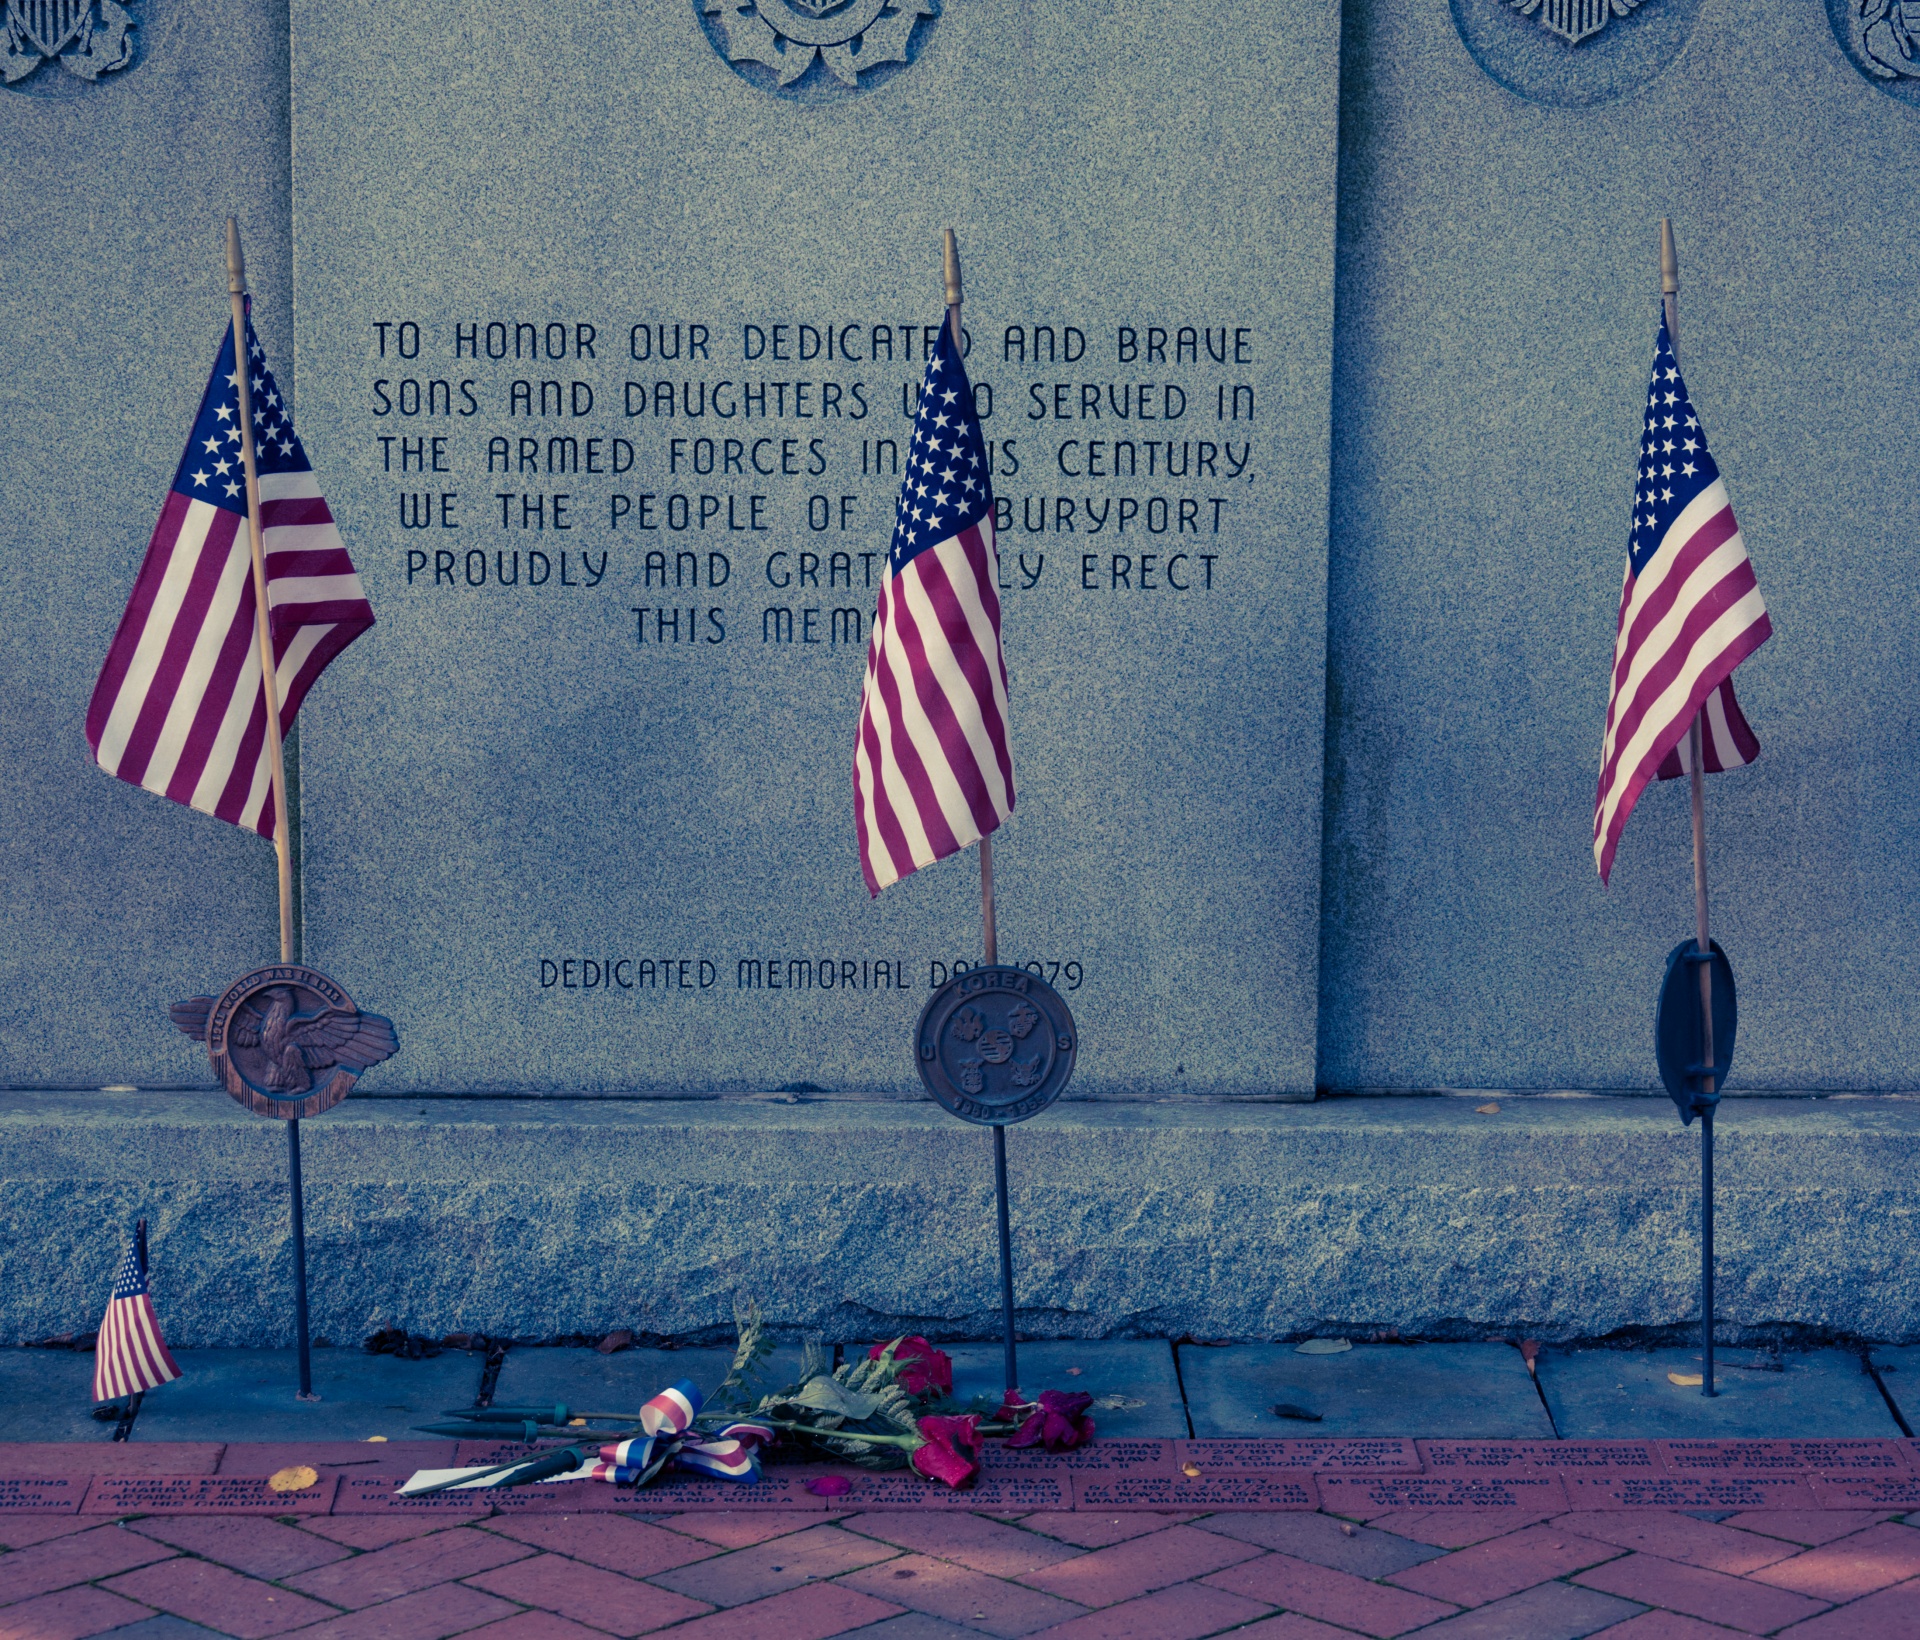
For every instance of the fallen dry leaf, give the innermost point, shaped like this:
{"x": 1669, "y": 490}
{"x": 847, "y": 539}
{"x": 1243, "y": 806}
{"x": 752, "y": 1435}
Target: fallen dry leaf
{"x": 376, "y": 1437}
{"x": 576, "y": 1423}
{"x": 1190, "y": 1470}
{"x": 1487, "y": 1110}
{"x": 1074, "y": 1372}
{"x": 1686, "y": 1380}
{"x": 294, "y": 1479}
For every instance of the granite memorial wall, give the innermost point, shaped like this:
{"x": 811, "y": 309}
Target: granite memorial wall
{"x": 1309, "y": 342}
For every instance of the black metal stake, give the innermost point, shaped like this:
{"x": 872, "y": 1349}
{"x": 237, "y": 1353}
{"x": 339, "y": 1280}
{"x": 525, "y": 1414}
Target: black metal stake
{"x": 300, "y": 1259}
{"x": 1706, "y": 1248}
{"x": 1006, "y": 1252}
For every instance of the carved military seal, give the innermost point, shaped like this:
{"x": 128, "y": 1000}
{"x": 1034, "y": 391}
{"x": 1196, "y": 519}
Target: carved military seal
{"x": 775, "y": 43}
{"x": 995, "y": 1045}
{"x": 87, "y": 38}
{"x": 286, "y": 1040}
{"x": 1574, "y": 20}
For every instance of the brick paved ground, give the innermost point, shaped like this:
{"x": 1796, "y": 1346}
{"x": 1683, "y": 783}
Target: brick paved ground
{"x": 1429, "y": 1558}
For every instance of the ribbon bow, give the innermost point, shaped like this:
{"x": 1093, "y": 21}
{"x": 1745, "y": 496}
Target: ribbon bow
{"x": 732, "y": 1453}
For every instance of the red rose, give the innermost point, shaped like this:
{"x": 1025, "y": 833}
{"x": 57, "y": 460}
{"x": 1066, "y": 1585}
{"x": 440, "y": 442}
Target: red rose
{"x": 1057, "y": 1421}
{"x": 952, "y": 1452}
{"x": 924, "y": 1370}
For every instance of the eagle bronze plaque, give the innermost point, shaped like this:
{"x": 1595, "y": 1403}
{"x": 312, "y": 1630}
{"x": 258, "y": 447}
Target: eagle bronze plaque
{"x": 995, "y": 1045}
{"x": 285, "y": 1040}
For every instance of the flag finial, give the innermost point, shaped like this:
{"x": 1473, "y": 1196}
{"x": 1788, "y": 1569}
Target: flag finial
{"x": 1669, "y": 263}
{"x": 950, "y": 263}
{"x": 236, "y": 264}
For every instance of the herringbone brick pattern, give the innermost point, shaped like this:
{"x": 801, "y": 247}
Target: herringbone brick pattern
{"x": 940, "y": 1574}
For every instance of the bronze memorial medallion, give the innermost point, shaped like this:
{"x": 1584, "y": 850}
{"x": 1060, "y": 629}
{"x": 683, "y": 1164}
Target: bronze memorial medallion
{"x": 995, "y": 1045}
{"x": 286, "y": 1040}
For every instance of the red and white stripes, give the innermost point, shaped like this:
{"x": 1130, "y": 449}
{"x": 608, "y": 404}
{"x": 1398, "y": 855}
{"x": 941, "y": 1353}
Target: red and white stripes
{"x": 932, "y": 769}
{"x": 1691, "y": 616}
{"x": 179, "y": 709}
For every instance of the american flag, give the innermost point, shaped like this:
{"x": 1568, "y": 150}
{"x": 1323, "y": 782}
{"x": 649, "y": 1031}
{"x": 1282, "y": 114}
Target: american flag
{"x": 931, "y": 768}
{"x": 179, "y": 708}
{"x": 130, "y": 1355}
{"x": 1689, "y": 614}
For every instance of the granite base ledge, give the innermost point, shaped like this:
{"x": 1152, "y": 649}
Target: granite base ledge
{"x": 1551, "y": 1219}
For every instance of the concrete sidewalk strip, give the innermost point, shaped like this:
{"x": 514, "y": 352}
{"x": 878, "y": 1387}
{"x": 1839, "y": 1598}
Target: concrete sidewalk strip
{"x": 1116, "y": 1372}
{"x": 584, "y": 1380}
{"x": 1817, "y": 1394}
{"x": 47, "y": 1395}
{"x": 251, "y": 1395}
{"x": 1463, "y": 1391}
{"x": 1898, "y": 1367}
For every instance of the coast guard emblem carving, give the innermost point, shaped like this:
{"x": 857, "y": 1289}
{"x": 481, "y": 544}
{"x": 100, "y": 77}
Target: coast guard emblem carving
{"x": 86, "y": 37}
{"x": 778, "y": 43}
{"x": 1575, "y": 20}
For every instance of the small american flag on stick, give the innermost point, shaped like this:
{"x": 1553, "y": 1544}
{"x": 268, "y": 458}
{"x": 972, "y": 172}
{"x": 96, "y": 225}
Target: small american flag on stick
{"x": 180, "y": 708}
{"x": 130, "y": 1356}
{"x": 932, "y": 772}
{"x": 1689, "y": 614}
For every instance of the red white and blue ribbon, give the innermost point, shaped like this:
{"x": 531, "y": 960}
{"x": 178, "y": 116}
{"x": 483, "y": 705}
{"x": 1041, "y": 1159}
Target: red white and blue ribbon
{"x": 731, "y": 1454}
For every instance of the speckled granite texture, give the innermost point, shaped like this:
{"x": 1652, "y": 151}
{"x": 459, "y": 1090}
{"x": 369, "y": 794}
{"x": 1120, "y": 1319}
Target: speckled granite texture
{"x": 1499, "y": 286}
{"x": 114, "y": 301}
{"x": 511, "y": 789}
{"x": 1550, "y": 1219}
{"x": 507, "y": 794}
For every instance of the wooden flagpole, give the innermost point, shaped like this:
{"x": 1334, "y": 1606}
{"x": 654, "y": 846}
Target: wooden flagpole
{"x": 1703, "y": 946}
{"x": 269, "y": 676}
{"x": 270, "y": 685}
{"x": 950, "y": 260}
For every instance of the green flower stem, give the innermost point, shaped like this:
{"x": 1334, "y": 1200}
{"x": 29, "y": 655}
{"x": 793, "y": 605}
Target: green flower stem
{"x": 911, "y": 1443}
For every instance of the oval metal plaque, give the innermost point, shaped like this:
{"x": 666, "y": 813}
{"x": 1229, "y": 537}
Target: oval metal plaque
{"x": 995, "y": 1045}
{"x": 1676, "y": 1025}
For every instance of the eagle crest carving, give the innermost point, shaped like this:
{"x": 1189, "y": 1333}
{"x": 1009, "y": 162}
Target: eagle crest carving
{"x": 286, "y": 1040}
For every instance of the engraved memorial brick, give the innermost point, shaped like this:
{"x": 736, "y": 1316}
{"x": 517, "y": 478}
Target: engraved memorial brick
{"x": 1367, "y": 1497}
{"x": 203, "y": 1495}
{"x": 1866, "y": 1491}
{"x": 108, "y": 1458}
{"x": 51, "y": 1494}
{"x": 1102, "y": 1457}
{"x": 377, "y": 1495}
{"x": 1503, "y": 1457}
{"x": 1180, "y": 1491}
{"x": 1831, "y": 1457}
{"x": 1688, "y": 1492}
{"x": 992, "y": 1494}
{"x": 1357, "y": 1455}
